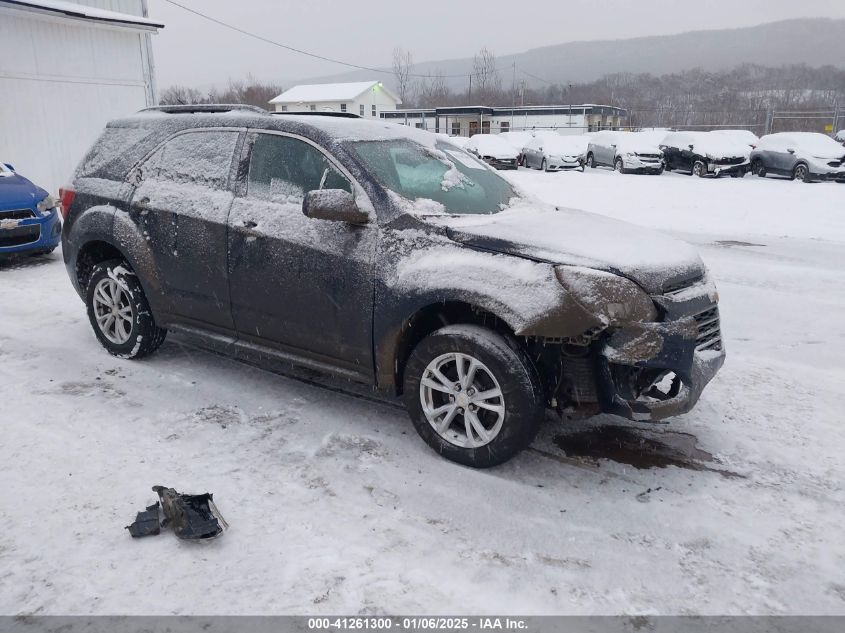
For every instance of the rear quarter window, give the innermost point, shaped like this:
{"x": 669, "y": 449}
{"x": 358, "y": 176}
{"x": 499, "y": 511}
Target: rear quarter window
{"x": 111, "y": 151}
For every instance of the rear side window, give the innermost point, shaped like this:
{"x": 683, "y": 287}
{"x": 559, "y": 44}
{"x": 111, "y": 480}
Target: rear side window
{"x": 116, "y": 146}
{"x": 203, "y": 158}
{"x": 283, "y": 169}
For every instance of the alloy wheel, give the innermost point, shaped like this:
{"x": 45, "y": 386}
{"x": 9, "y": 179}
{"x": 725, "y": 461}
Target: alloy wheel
{"x": 462, "y": 400}
{"x": 113, "y": 311}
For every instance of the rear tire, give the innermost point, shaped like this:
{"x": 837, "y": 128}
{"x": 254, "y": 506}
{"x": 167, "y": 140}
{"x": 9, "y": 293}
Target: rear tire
{"x": 119, "y": 313}
{"x": 439, "y": 394}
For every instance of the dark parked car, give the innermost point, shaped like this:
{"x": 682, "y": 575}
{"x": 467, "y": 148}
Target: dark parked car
{"x": 29, "y": 218}
{"x": 806, "y": 156}
{"x": 705, "y": 154}
{"x": 386, "y": 256}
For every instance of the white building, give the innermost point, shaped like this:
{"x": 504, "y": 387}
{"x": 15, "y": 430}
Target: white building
{"x": 364, "y": 98}
{"x": 66, "y": 68}
{"x": 471, "y": 120}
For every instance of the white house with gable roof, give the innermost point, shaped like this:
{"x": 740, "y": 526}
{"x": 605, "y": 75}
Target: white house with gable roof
{"x": 364, "y": 98}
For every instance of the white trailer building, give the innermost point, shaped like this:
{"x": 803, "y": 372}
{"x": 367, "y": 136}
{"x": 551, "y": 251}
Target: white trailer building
{"x": 364, "y": 98}
{"x": 66, "y": 68}
{"x": 471, "y": 120}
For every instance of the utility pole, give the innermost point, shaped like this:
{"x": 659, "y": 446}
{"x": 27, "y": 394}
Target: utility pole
{"x": 470, "y": 89}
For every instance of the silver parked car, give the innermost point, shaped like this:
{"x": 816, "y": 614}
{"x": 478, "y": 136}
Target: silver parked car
{"x": 556, "y": 153}
{"x": 806, "y": 156}
{"x": 625, "y": 152}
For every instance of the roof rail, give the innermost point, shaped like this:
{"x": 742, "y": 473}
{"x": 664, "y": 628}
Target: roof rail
{"x": 205, "y": 108}
{"x": 340, "y": 115}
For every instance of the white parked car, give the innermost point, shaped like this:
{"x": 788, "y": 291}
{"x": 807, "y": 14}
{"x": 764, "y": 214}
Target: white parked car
{"x": 556, "y": 153}
{"x": 807, "y": 156}
{"x": 741, "y": 136}
{"x": 840, "y": 136}
{"x": 625, "y": 152}
{"x": 458, "y": 141}
{"x": 492, "y": 150}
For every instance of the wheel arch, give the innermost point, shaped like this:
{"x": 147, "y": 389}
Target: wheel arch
{"x": 422, "y": 322}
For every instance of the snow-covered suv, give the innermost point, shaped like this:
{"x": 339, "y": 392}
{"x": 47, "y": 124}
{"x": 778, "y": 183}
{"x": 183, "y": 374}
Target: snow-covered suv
{"x": 383, "y": 255}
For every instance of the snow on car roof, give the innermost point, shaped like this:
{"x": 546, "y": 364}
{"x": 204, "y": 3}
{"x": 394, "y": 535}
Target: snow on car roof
{"x": 812, "y": 143}
{"x": 560, "y": 143}
{"x": 746, "y": 136}
{"x": 710, "y": 143}
{"x": 491, "y": 144}
{"x": 305, "y": 93}
{"x": 83, "y": 12}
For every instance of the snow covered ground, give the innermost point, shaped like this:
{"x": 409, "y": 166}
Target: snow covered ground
{"x": 336, "y": 506}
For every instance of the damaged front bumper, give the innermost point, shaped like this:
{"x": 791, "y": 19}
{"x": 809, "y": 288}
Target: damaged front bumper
{"x": 651, "y": 371}
{"x": 717, "y": 168}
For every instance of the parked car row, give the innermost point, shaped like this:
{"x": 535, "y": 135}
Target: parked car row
{"x": 803, "y": 156}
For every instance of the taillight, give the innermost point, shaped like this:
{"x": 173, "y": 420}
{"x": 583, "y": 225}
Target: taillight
{"x": 66, "y": 196}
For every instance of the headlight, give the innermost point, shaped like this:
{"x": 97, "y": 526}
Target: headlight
{"x": 630, "y": 154}
{"x": 612, "y": 298}
{"x": 46, "y": 206}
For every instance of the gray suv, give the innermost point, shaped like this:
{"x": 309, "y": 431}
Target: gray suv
{"x": 379, "y": 254}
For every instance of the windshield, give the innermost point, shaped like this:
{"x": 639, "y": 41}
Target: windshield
{"x": 448, "y": 175}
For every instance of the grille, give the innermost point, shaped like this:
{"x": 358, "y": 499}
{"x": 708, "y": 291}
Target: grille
{"x": 17, "y": 214}
{"x": 835, "y": 163}
{"x": 736, "y": 160}
{"x": 709, "y": 333}
{"x": 20, "y": 235}
{"x": 677, "y": 285}
{"x": 651, "y": 156}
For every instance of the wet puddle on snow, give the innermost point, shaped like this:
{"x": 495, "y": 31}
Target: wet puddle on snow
{"x": 640, "y": 449}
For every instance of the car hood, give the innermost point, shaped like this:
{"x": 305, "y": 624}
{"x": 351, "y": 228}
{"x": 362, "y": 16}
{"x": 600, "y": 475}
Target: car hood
{"x": 572, "y": 237}
{"x": 16, "y": 192}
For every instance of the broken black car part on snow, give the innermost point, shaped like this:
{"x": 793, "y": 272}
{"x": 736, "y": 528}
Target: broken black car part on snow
{"x": 192, "y": 517}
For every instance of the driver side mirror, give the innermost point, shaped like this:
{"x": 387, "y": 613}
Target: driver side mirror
{"x": 691, "y": 147}
{"x": 790, "y": 150}
{"x": 334, "y": 205}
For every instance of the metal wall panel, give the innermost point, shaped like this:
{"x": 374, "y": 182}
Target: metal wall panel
{"x": 61, "y": 81}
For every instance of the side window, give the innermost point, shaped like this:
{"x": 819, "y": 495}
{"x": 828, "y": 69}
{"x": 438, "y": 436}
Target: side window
{"x": 361, "y": 109}
{"x": 283, "y": 169}
{"x": 196, "y": 157}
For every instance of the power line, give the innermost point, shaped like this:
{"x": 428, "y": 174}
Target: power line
{"x": 299, "y": 50}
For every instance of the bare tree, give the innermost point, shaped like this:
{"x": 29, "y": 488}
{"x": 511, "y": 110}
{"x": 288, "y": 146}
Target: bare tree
{"x": 181, "y": 95}
{"x": 403, "y": 62}
{"x": 432, "y": 91}
{"x": 485, "y": 75}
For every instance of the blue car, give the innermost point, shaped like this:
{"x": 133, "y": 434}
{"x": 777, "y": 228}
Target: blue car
{"x": 29, "y": 216}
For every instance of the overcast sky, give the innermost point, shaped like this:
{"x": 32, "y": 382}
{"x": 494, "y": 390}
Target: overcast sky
{"x": 195, "y": 52}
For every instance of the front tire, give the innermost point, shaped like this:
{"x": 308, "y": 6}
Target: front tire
{"x": 758, "y": 169}
{"x": 473, "y": 395}
{"x": 119, "y": 312}
{"x": 802, "y": 173}
{"x": 699, "y": 169}
{"x": 591, "y": 163}
{"x": 619, "y": 166}
{"x": 544, "y": 166}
